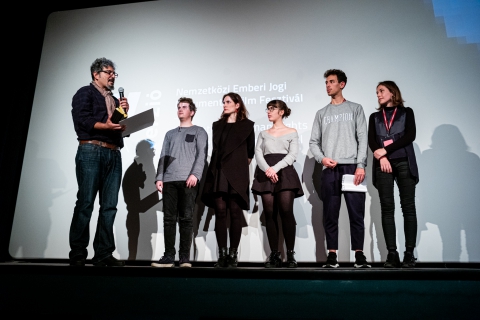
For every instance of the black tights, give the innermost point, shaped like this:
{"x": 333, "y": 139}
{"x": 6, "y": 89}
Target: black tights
{"x": 272, "y": 204}
{"x": 222, "y": 203}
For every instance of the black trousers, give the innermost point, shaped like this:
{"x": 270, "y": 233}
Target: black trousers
{"x": 178, "y": 205}
{"x": 331, "y": 195}
{"x": 406, "y": 187}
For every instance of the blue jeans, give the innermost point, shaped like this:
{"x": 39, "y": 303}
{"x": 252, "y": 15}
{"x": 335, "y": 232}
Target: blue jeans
{"x": 98, "y": 169}
{"x": 178, "y": 205}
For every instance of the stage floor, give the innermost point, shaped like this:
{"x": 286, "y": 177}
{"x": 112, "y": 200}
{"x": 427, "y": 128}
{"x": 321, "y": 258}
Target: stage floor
{"x": 53, "y": 289}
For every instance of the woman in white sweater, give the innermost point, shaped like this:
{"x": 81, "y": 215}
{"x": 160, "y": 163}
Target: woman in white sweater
{"x": 277, "y": 182}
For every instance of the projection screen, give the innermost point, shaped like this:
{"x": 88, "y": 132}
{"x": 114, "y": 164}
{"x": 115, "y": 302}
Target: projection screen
{"x": 263, "y": 50}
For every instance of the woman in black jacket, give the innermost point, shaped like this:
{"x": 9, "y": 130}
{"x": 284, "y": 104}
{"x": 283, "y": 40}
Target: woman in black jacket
{"x": 391, "y": 132}
{"x": 227, "y": 182}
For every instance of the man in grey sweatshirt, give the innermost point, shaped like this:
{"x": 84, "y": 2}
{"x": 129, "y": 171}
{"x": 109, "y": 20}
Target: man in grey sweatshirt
{"x": 339, "y": 143}
{"x": 180, "y": 168}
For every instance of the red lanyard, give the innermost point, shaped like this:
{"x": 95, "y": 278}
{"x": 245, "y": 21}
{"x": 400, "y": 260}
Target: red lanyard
{"x": 389, "y": 125}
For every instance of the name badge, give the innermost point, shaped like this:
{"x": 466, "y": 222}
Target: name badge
{"x": 387, "y": 141}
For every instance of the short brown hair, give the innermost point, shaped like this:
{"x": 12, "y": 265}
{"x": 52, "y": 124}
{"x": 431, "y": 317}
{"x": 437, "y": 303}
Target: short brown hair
{"x": 191, "y": 105}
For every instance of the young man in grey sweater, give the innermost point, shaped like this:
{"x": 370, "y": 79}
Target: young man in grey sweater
{"x": 339, "y": 143}
{"x": 180, "y": 168}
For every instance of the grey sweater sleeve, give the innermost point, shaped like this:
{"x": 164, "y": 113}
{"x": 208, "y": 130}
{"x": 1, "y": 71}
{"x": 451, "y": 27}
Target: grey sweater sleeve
{"x": 316, "y": 139}
{"x": 201, "y": 155}
{"x": 362, "y": 138}
{"x": 262, "y": 164}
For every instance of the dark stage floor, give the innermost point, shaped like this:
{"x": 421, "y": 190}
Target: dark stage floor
{"x": 53, "y": 289}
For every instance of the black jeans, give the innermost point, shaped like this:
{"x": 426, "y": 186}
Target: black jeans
{"x": 406, "y": 187}
{"x": 178, "y": 205}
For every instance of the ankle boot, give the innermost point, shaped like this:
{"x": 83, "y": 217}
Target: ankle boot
{"x": 232, "y": 260}
{"x": 222, "y": 258}
{"x": 274, "y": 260}
{"x": 291, "y": 262}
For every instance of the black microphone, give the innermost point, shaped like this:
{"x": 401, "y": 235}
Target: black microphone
{"x": 120, "y": 91}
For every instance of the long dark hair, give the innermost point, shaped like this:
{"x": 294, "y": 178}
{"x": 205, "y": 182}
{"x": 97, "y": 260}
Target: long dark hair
{"x": 242, "y": 110}
{"x": 397, "y": 99}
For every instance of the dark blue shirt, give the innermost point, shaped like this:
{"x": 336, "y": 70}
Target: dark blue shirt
{"x": 88, "y": 108}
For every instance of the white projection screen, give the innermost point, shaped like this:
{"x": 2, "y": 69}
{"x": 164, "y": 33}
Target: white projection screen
{"x": 262, "y": 50}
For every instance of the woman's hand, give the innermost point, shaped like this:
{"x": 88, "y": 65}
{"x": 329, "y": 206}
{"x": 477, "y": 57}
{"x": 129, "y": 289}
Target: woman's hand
{"x": 274, "y": 178}
{"x": 270, "y": 172}
{"x": 379, "y": 153}
{"x": 385, "y": 165}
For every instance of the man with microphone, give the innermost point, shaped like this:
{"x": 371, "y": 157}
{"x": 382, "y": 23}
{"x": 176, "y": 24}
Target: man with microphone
{"x": 98, "y": 165}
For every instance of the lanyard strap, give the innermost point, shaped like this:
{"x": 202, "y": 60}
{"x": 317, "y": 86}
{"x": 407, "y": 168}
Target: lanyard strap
{"x": 389, "y": 125}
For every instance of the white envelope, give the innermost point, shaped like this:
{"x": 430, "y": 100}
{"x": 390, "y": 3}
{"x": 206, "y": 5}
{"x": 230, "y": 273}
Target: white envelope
{"x": 347, "y": 184}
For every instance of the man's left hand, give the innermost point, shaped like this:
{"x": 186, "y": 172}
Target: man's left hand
{"x": 192, "y": 181}
{"x": 124, "y": 104}
{"x": 359, "y": 176}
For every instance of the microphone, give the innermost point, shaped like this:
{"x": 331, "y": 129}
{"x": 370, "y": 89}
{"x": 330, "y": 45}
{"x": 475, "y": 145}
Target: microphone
{"x": 120, "y": 91}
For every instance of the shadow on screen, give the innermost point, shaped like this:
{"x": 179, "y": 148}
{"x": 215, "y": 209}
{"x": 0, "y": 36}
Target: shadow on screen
{"x": 449, "y": 190}
{"x": 143, "y": 202}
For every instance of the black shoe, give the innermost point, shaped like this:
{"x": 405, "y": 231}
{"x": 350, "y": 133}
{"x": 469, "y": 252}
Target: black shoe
{"x": 291, "y": 262}
{"x": 222, "y": 258}
{"x": 232, "y": 259}
{"x": 165, "y": 262}
{"x": 78, "y": 261}
{"x": 393, "y": 260}
{"x": 109, "y": 262}
{"x": 184, "y": 261}
{"x": 331, "y": 261}
{"x": 274, "y": 260}
{"x": 409, "y": 260}
{"x": 360, "y": 260}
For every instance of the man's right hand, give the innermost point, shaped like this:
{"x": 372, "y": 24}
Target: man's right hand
{"x": 109, "y": 125}
{"x": 329, "y": 163}
{"x": 159, "y": 185}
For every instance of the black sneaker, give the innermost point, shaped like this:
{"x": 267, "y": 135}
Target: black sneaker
{"x": 164, "y": 262}
{"x": 360, "y": 260}
{"x": 78, "y": 261}
{"x": 393, "y": 260}
{"x": 409, "y": 260}
{"x": 184, "y": 261}
{"x": 331, "y": 261}
{"x": 109, "y": 262}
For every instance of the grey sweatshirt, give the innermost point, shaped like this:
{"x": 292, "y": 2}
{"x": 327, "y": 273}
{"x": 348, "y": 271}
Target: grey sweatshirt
{"x": 184, "y": 152}
{"x": 339, "y": 132}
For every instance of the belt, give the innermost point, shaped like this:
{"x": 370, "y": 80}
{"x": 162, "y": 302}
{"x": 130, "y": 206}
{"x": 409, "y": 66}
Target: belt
{"x": 101, "y": 144}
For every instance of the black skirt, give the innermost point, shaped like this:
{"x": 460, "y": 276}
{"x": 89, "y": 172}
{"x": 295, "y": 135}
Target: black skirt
{"x": 287, "y": 178}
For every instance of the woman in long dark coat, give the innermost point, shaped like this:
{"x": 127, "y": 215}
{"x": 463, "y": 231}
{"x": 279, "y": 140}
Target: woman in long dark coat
{"x": 227, "y": 183}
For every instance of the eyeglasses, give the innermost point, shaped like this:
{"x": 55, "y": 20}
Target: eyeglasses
{"x": 110, "y": 72}
{"x": 270, "y": 109}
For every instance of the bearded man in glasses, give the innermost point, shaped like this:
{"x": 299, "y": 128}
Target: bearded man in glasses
{"x": 98, "y": 165}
